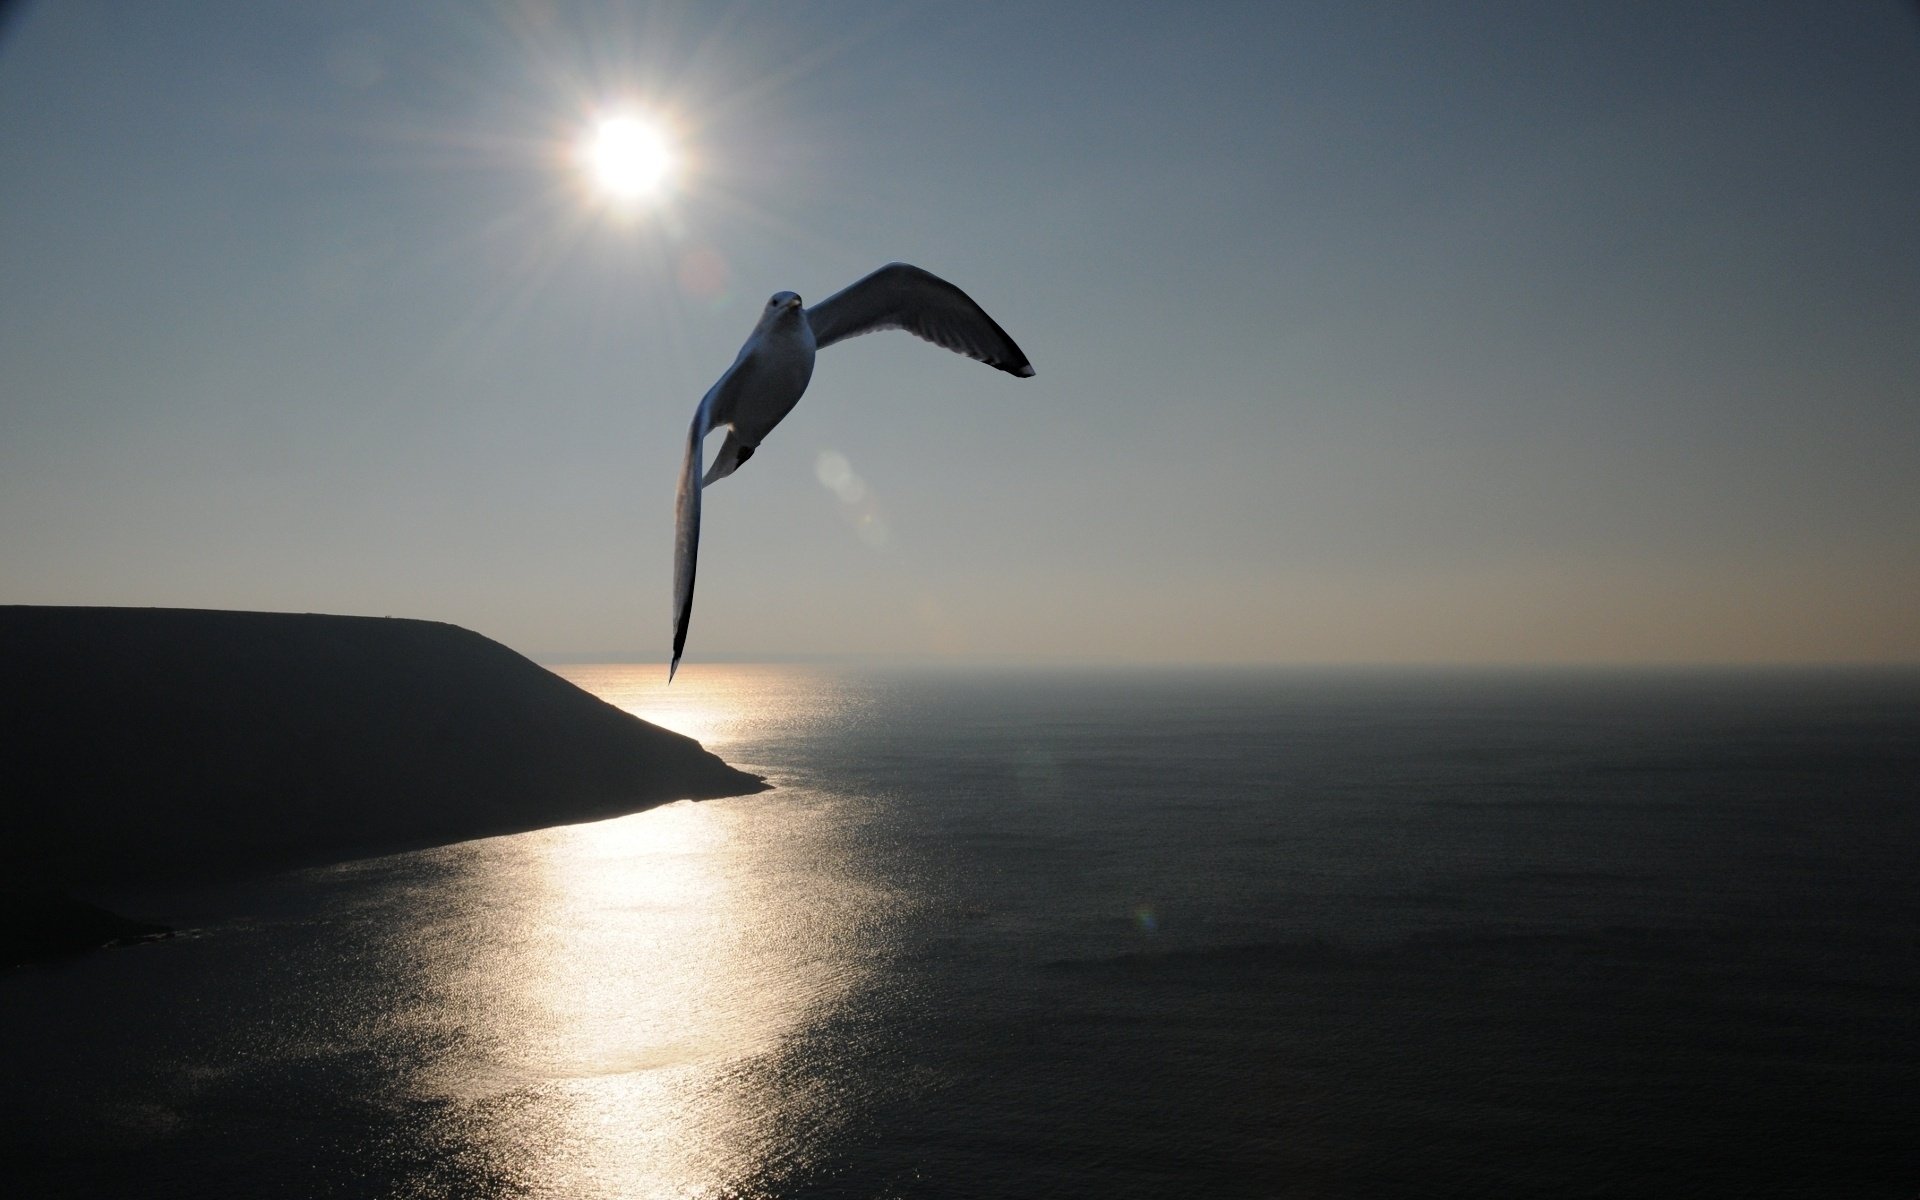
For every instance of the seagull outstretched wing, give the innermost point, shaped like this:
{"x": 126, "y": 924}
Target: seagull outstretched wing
{"x": 686, "y": 522}
{"x": 902, "y": 296}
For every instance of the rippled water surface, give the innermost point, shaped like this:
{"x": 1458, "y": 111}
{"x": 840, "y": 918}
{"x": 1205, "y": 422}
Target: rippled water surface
{"x": 1133, "y": 933}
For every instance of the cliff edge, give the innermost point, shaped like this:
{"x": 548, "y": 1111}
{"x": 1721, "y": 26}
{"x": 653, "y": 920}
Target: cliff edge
{"x": 148, "y": 745}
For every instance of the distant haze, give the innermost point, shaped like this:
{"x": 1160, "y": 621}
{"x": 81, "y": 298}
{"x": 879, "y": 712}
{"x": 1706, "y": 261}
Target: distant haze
{"x": 1382, "y": 333}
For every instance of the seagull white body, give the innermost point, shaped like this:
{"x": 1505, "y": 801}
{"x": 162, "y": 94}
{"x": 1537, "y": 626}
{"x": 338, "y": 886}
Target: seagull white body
{"x": 772, "y": 370}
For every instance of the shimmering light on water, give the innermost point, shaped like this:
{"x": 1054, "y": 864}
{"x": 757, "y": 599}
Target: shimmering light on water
{"x": 719, "y": 705}
{"x": 620, "y": 988}
{"x": 615, "y": 985}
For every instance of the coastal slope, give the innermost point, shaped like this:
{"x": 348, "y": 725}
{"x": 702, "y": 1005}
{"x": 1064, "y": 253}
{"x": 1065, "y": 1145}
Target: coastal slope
{"x": 154, "y": 745}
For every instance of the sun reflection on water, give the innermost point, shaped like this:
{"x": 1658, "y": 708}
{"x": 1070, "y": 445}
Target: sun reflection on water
{"x": 614, "y": 998}
{"x": 718, "y": 705}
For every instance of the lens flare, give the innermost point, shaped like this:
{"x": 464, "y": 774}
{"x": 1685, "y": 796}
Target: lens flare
{"x": 858, "y": 505}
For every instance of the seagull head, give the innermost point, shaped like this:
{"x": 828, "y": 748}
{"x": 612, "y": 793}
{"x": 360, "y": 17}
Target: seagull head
{"x": 782, "y": 307}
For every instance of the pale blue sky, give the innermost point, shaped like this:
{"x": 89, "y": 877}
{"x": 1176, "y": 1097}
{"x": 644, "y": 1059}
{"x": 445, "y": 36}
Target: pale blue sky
{"x": 1405, "y": 332}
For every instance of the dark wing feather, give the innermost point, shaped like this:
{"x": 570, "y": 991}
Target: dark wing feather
{"x": 686, "y": 526}
{"x": 901, "y": 296}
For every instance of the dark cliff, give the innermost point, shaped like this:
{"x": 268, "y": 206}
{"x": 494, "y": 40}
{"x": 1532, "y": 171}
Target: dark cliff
{"x": 148, "y": 745}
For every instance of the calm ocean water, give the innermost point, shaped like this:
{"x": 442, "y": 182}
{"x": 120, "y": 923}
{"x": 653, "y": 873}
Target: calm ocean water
{"x": 1130, "y": 933}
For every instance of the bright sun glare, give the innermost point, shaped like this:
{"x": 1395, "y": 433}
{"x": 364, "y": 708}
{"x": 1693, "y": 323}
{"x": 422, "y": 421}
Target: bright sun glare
{"x": 628, "y": 158}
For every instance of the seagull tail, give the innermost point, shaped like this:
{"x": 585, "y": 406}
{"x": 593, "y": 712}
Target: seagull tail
{"x": 728, "y": 460}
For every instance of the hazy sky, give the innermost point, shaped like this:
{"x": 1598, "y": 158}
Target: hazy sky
{"x": 1401, "y": 332}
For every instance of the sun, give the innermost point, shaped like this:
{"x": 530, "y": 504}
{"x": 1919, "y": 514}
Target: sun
{"x": 628, "y": 158}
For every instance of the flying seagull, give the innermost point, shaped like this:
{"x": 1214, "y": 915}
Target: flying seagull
{"x": 772, "y": 370}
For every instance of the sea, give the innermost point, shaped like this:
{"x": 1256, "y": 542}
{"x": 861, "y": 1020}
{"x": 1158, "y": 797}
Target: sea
{"x": 1119, "y": 932}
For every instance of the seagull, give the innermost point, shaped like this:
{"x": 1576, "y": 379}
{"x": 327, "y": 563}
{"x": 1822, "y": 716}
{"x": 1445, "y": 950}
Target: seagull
{"x": 771, "y": 372}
